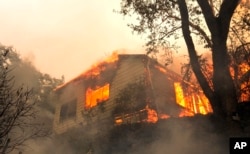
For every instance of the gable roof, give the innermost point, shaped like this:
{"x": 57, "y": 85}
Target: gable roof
{"x": 114, "y": 60}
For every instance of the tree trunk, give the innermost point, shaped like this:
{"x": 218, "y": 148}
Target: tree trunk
{"x": 223, "y": 96}
{"x": 194, "y": 58}
{"x": 224, "y": 88}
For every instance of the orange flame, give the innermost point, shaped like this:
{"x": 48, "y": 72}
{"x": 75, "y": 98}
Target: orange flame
{"x": 93, "y": 97}
{"x": 112, "y": 58}
{"x": 179, "y": 94}
{"x": 94, "y": 70}
{"x": 152, "y": 115}
{"x": 185, "y": 113}
{"x": 118, "y": 121}
{"x": 193, "y": 103}
{"x": 164, "y": 116}
{"x": 242, "y": 70}
{"x": 98, "y": 67}
{"x": 161, "y": 69}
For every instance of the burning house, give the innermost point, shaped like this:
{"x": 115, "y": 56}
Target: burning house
{"x": 125, "y": 89}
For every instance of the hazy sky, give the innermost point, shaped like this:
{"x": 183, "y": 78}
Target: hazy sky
{"x": 64, "y": 37}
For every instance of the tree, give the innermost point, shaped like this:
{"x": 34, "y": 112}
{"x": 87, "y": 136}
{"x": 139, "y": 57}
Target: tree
{"x": 209, "y": 21}
{"x": 44, "y": 91}
{"x": 240, "y": 64}
{"x": 17, "y": 108}
{"x": 239, "y": 51}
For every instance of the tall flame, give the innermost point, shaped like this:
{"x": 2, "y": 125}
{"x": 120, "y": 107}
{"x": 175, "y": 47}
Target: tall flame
{"x": 194, "y": 103}
{"x": 179, "y": 94}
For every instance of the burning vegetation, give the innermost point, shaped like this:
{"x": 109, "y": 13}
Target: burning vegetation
{"x": 240, "y": 71}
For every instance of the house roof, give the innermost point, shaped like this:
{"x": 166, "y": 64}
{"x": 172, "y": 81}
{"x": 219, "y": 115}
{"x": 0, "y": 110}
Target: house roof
{"x": 119, "y": 58}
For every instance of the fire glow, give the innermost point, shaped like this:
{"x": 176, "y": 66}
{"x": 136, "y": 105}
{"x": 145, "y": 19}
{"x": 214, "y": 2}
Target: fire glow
{"x": 94, "y": 70}
{"x": 193, "y": 103}
{"x": 98, "y": 94}
{"x": 99, "y": 66}
{"x": 93, "y": 97}
{"x": 145, "y": 115}
{"x": 152, "y": 115}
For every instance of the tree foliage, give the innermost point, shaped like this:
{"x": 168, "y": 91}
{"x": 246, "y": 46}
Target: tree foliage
{"x": 208, "y": 21}
{"x": 18, "y": 102}
{"x": 240, "y": 64}
{"x": 131, "y": 98}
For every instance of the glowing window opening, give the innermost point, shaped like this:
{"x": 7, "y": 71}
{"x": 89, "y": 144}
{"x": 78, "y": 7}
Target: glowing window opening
{"x": 99, "y": 95}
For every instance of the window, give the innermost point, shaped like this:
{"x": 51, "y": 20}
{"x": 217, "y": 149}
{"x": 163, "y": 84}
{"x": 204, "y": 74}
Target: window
{"x": 99, "y": 95}
{"x": 68, "y": 110}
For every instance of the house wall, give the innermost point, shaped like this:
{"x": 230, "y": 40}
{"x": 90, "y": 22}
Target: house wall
{"x": 130, "y": 69}
{"x": 163, "y": 89}
{"x": 73, "y": 91}
{"x": 160, "y": 93}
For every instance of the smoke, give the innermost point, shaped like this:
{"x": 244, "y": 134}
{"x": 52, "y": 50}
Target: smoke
{"x": 173, "y": 136}
{"x": 46, "y": 145}
{"x": 23, "y": 74}
{"x": 184, "y": 136}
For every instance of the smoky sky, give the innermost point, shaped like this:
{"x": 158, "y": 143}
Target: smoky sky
{"x": 64, "y": 37}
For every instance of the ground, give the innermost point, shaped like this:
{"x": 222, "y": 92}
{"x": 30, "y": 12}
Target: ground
{"x": 198, "y": 134}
